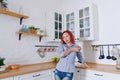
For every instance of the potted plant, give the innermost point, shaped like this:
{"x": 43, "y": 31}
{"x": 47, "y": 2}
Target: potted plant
{"x": 3, "y": 4}
{"x": 2, "y": 64}
{"x": 32, "y": 29}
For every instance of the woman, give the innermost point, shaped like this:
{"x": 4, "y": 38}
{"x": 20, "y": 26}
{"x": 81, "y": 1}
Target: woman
{"x": 67, "y": 51}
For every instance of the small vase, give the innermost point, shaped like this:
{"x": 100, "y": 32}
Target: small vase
{"x": 2, "y": 68}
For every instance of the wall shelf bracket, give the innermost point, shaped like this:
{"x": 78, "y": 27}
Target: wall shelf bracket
{"x": 40, "y": 38}
{"x": 21, "y": 20}
{"x": 20, "y": 36}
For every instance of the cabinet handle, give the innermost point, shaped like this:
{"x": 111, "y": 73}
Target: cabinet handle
{"x": 36, "y": 75}
{"x": 78, "y": 71}
{"x": 98, "y": 74}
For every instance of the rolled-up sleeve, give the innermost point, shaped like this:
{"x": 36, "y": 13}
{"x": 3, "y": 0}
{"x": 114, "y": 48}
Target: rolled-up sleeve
{"x": 80, "y": 57}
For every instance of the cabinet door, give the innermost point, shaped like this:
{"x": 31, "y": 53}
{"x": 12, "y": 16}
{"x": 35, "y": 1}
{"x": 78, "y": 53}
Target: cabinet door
{"x": 54, "y": 24}
{"x": 11, "y": 78}
{"x": 97, "y": 75}
{"x": 42, "y": 75}
{"x": 91, "y": 75}
{"x": 111, "y": 76}
{"x": 52, "y": 74}
{"x": 26, "y": 79}
{"x": 43, "y": 78}
{"x": 83, "y": 74}
{"x": 71, "y": 21}
{"x": 88, "y": 22}
{"x": 77, "y": 74}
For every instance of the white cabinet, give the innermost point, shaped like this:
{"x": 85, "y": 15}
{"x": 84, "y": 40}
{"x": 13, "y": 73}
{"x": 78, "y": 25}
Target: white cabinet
{"x": 54, "y": 25}
{"x": 111, "y": 76}
{"x": 11, "y": 78}
{"x": 77, "y": 74}
{"x": 103, "y": 75}
{"x": 88, "y": 22}
{"x": 70, "y": 23}
{"x": 52, "y": 74}
{"x": 42, "y": 75}
{"x": 83, "y": 22}
{"x": 83, "y": 74}
{"x": 91, "y": 75}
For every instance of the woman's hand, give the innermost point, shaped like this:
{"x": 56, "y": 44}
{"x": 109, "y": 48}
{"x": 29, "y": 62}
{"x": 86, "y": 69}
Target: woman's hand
{"x": 76, "y": 49}
{"x": 85, "y": 66}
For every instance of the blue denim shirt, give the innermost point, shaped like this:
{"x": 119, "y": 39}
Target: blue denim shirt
{"x": 67, "y": 63}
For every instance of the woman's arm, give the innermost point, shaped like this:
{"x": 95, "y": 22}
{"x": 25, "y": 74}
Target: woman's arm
{"x": 76, "y": 49}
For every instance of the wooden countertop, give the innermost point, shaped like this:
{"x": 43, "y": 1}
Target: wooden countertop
{"x": 102, "y": 68}
{"x": 50, "y": 65}
{"x": 28, "y": 69}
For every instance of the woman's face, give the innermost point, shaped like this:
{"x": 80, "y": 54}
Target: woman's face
{"x": 66, "y": 38}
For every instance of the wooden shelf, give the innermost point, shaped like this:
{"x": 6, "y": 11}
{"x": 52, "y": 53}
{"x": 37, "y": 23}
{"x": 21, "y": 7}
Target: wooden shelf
{"x": 28, "y": 33}
{"x": 14, "y": 14}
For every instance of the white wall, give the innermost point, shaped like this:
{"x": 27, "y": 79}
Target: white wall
{"x": 24, "y": 51}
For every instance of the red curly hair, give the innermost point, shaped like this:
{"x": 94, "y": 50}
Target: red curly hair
{"x": 71, "y": 37}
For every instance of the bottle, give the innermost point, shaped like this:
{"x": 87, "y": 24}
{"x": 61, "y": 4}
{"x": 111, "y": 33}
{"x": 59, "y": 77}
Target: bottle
{"x": 118, "y": 61}
{"x": 38, "y": 30}
{"x": 118, "y": 64}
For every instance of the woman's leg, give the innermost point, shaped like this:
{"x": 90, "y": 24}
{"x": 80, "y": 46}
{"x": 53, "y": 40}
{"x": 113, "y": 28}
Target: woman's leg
{"x": 57, "y": 75}
{"x": 68, "y": 76}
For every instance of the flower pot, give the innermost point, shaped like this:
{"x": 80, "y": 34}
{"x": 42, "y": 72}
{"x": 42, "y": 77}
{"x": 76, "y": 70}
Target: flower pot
{"x": 33, "y": 31}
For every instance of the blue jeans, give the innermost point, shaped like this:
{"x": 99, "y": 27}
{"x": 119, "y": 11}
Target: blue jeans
{"x": 63, "y": 75}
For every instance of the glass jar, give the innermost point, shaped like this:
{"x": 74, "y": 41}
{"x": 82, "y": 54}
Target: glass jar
{"x": 118, "y": 62}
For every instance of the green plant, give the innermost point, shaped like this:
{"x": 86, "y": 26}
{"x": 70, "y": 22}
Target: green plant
{"x": 32, "y": 28}
{"x": 4, "y": 3}
{"x": 2, "y": 61}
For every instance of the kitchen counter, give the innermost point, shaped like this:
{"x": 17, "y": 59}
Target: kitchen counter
{"x": 28, "y": 69}
{"x": 50, "y": 65}
{"x": 102, "y": 67}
